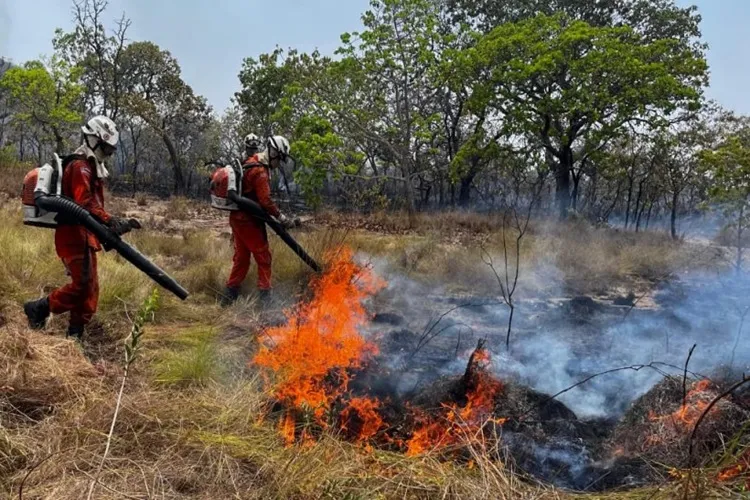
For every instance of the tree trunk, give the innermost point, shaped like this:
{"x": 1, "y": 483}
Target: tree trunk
{"x": 673, "y": 219}
{"x": 179, "y": 179}
{"x": 640, "y": 217}
{"x": 630, "y": 200}
{"x": 574, "y": 197}
{"x": 562, "y": 183}
{"x": 467, "y": 180}
{"x": 594, "y": 188}
{"x": 637, "y": 211}
{"x": 59, "y": 141}
{"x": 135, "y": 168}
{"x": 464, "y": 193}
{"x": 740, "y": 243}
{"x": 408, "y": 194}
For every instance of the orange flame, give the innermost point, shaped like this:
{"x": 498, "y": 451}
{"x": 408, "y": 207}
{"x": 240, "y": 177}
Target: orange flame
{"x": 457, "y": 422}
{"x": 742, "y": 467}
{"x": 286, "y": 428}
{"x": 361, "y": 417}
{"x": 696, "y": 401}
{"x": 311, "y": 357}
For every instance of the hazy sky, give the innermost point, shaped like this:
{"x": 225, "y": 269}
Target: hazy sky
{"x": 210, "y": 38}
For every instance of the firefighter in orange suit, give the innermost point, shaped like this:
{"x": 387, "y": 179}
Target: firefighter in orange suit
{"x": 82, "y": 182}
{"x": 249, "y": 234}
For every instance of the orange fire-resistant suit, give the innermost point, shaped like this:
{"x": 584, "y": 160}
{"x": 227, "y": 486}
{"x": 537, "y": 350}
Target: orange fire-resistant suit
{"x": 250, "y": 237}
{"x": 77, "y": 247}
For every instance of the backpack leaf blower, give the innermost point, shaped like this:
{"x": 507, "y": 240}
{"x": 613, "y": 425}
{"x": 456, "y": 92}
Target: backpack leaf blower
{"x": 225, "y": 196}
{"x": 48, "y": 200}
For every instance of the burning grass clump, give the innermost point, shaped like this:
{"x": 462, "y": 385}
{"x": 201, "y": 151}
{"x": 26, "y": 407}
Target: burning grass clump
{"x": 464, "y": 413}
{"x": 309, "y": 360}
{"x": 659, "y": 425}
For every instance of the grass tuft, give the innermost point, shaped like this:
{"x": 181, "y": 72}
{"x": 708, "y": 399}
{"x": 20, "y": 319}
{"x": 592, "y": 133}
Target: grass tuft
{"x": 193, "y": 361}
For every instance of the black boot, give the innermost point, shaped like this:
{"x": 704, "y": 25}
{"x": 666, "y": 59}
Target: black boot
{"x": 37, "y": 311}
{"x": 75, "y": 332}
{"x": 265, "y": 299}
{"x": 230, "y": 296}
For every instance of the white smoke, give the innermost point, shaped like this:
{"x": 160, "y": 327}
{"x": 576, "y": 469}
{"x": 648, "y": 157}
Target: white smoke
{"x": 552, "y": 349}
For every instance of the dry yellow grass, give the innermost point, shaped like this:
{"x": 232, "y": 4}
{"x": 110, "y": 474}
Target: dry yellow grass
{"x": 11, "y": 178}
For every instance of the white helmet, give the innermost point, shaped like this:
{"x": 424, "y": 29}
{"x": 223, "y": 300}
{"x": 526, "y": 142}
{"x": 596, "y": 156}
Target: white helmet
{"x": 103, "y": 132}
{"x": 280, "y": 144}
{"x": 252, "y": 141}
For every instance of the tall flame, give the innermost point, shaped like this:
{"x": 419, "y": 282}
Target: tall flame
{"x": 311, "y": 357}
{"x": 308, "y": 364}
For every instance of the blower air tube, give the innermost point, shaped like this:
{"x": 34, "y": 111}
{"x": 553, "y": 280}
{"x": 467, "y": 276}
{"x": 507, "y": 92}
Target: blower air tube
{"x": 253, "y": 208}
{"x": 71, "y": 210}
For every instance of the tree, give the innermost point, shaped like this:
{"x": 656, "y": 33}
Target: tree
{"x": 319, "y": 151}
{"x": 653, "y": 19}
{"x": 676, "y": 156}
{"x": 231, "y": 131}
{"x": 99, "y": 54}
{"x": 380, "y": 97}
{"x": 157, "y": 94}
{"x": 264, "y": 81}
{"x": 47, "y": 96}
{"x": 571, "y": 88}
{"x": 728, "y": 166}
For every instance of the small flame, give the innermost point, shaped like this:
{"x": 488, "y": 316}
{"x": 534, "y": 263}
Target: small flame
{"x": 460, "y": 422}
{"x": 696, "y": 402}
{"x": 742, "y": 467}
{"x": 286, "y": 428}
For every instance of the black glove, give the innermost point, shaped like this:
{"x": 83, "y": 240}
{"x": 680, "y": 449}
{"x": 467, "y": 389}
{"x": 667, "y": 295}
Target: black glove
{"x": 134, "y": 224}
{"x": 119, "y": 226}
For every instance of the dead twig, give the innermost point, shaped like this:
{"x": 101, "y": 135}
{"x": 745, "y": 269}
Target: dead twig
{"x": 635, "y": 368}
{"x": 684, "y": 375}
{"x": 743, "y": 316}
{"x": 36, "y": 466}
{"x": 427, "y": 333}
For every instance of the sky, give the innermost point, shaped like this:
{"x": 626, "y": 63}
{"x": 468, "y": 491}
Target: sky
{"x": 210, "y": 38}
